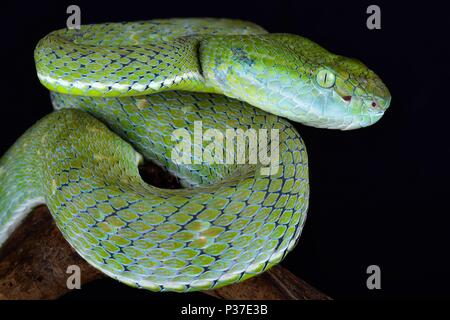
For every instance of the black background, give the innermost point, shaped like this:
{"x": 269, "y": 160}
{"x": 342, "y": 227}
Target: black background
{"x": 378, "y": 195}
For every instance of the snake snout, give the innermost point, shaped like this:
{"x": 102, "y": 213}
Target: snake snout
{"x": 374, "y": 111}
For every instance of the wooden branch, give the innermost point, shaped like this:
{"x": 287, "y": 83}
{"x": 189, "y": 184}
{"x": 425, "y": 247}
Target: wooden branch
{"x": 34, "y": 261}
{"x": 276, "y": 284}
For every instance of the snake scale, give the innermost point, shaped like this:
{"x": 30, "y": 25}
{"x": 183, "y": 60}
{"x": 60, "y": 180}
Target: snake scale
{"x": 120, "y": 90}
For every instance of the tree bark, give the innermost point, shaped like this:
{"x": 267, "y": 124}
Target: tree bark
{"x": 34, "y": 260}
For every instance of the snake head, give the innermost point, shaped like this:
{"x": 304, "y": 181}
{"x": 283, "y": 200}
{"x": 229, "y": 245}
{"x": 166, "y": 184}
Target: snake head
{"x": 352, "y": 92}
{"x": 293, "y": 77}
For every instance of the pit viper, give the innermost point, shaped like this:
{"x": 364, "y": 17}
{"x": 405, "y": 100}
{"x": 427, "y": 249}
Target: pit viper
{"x": 123, "y": 91}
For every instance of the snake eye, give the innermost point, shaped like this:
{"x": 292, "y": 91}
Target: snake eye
{"x": 325, "y": 78}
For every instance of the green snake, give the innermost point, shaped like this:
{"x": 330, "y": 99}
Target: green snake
{"x": 121, "y": 90}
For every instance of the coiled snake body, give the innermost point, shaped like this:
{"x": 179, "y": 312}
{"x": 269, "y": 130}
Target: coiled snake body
{"x": 139, "y": 82}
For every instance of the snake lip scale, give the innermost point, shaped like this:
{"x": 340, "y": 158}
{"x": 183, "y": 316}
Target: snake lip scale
{"x": 121, "y": 90}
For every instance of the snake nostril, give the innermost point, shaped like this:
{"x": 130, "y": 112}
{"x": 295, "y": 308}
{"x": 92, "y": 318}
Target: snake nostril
{"x": 374, "y": 104}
